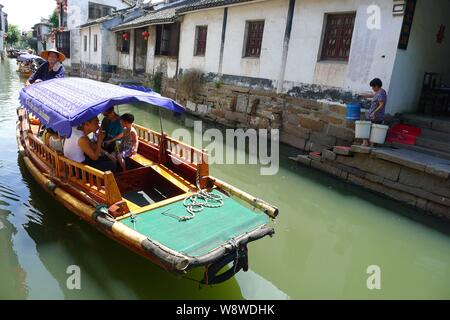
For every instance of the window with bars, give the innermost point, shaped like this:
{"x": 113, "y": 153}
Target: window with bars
{"x": 98, "y": 10}
{"x": 167, "y": 36}
{"x": 63, "y": 42}
{"x": 338, "y": 36}
{"x": 253, "y": 35}
{"x": 95, "y": 43}
{"x": 200, "y": 40}
{"x": 122, "y": 44}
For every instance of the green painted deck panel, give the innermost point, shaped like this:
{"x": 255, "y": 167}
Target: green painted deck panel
{"x": 207, "y": 231}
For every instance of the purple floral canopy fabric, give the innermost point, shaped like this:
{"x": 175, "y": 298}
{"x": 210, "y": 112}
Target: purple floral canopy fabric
{"x": 61, "y": 104}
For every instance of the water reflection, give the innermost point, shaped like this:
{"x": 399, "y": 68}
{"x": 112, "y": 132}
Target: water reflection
{"x": 327, "y": 234}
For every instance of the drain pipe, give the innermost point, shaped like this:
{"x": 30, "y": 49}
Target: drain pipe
{"x": 287, "y": 37}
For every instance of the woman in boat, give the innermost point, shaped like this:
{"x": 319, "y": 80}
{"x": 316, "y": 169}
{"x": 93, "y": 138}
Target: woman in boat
{"x": 50, "y": 69}
{"x": 81, "y": 149}
{"x": 130, "y": 142}
{"x": 113, "y": 128}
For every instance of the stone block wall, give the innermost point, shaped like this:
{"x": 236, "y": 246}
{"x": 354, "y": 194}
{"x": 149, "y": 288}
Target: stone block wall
{"x": 306, "y": 124}
{"x": 425, "y": 190}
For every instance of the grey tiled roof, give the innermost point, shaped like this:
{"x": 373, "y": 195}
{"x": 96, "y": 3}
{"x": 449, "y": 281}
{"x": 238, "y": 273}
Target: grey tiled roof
{"x": 166, "y": 14}
{"x": 160, "y": 16}
{"x": 203, "y": 4}
{"x": 100, "y": 20}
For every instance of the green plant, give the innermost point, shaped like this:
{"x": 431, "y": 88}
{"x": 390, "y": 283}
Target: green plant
{"x": 190, "y": 83}
{"x": 157, "y": 82}
{"x": 218, "y": 83}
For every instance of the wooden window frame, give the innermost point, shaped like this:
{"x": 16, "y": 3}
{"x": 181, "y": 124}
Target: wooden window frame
{"x": 167, "y": 39}
{"x": 252, "y": 41}
{"x": 63, "y": 43}
{"x": 200, "y": 44}
{"x": 341, "y": 36}
{"x": 123, "y": 46}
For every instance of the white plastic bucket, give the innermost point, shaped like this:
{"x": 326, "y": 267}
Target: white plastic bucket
{"x": 362, "y": 129}
{"x": 379, "y": 133}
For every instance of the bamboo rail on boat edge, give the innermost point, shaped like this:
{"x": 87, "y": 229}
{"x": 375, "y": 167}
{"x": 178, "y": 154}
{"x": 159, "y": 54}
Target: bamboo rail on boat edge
{"x": 270, "y": 210}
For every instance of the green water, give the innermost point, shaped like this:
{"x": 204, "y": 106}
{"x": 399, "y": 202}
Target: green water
{"x": 327, "y": 235}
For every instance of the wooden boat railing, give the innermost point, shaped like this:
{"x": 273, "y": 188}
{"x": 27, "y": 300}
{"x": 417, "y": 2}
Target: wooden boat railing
{"x": 176, "y": 153}
{"x": 101, "y": 185}
{"x": 151, "y": 137}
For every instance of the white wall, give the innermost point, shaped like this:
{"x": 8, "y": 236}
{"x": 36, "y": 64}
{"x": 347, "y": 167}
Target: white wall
{"x": 372, "y": 54}
{"x": 423, "y": 55}
{"x": 77, "y": 14}
{"x": 108, "y": 40}
{"x": 210, "y": 62}
{"x": 91, "y": 56}
{"x": 126, "y": 60}
{"x": 372, "y": 51}
{"x": 268, "y": 65}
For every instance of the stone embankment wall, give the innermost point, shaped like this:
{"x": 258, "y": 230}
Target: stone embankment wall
{"x": 306, "y": 124}
{"x": 425, "y": 187}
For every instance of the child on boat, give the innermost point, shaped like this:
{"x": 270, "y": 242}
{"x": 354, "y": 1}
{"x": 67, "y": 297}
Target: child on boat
{"x": 130, "y": 142}
{"x": 53, "y": 140}
{"x": 113, "y": 129}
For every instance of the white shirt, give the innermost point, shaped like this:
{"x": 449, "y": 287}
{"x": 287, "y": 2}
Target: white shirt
{"x": 71, "y": 148}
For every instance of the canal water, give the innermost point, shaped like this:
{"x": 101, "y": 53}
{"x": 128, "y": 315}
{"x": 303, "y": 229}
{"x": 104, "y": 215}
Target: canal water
{"x": 327, "y": 236}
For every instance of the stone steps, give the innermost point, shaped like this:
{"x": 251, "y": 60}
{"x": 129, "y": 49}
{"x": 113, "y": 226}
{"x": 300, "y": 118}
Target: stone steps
{"x": 435, "y": 135}
{"x": 421, "y": 149}
{"x": 433, "y": 144}
{"x": 441, "y": 124}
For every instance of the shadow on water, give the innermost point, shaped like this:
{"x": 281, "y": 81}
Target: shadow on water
{"x": 327, "y": 233}
{"x": 108, "y": 270}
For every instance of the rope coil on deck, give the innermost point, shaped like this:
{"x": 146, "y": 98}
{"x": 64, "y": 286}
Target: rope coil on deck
{"x": 198, "y": 202}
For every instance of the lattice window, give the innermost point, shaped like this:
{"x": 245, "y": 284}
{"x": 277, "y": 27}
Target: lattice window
{"x": 200, "y": 40}
{"x": 98, "y": 10}
{"x": 338, "y": 36}
{"x": 254, "y": 36}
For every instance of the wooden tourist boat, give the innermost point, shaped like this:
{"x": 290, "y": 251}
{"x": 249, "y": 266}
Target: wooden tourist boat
{"x": 27, "y": 64}
{"x": 152, "y": 208}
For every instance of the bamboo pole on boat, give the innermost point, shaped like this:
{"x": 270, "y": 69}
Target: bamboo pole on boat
{"x": 270, "y": 210}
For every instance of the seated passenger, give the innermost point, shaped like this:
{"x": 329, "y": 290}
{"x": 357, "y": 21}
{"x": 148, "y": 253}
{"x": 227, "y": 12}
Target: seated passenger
{"x": 130, "y": 142}
{"x": 53, "y": 140}
{"x": 114, "y": 131}
{"x": 81, "y": 149}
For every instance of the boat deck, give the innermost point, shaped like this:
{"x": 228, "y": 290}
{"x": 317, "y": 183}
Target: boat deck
{"x": 208, "y": 230}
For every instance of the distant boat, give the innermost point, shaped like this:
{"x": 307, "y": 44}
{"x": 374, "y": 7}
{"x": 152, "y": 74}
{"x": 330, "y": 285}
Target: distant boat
{"x": 27, "y": 64}
{"x": 166, "y": 207}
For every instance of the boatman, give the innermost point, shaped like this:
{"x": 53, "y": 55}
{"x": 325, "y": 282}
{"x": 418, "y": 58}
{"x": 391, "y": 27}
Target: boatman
{"x": 50, "y": 69}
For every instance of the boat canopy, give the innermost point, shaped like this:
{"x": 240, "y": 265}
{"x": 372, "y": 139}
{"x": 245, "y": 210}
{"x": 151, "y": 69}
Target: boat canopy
{"x": 28, "y": 57}
{"x": 61, "y": 104}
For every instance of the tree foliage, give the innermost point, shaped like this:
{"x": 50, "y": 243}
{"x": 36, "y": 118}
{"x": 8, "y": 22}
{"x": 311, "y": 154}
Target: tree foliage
{"x": 13, "y": 35}
{"x": 54, "y": 19}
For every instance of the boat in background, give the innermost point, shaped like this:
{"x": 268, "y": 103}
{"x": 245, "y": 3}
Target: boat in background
{"x": 27, "y": 64}
{"x": 166, "y": 207}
